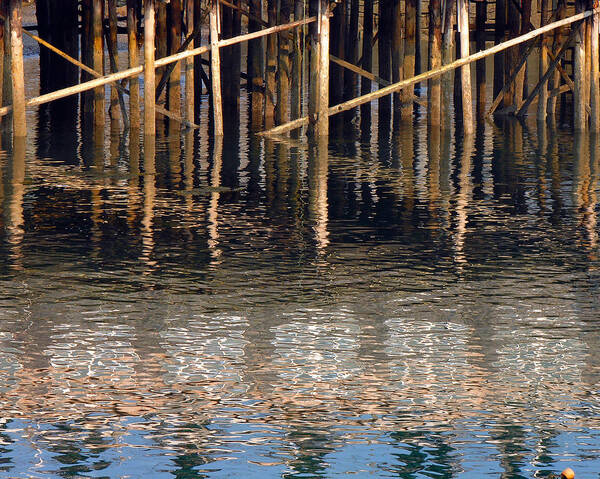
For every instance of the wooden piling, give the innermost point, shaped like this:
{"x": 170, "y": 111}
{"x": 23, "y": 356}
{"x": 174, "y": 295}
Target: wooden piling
{"x": 215, "y": 69}
{"x": 463, "y": 22}
{"x": 319, "y": 71}
{"x": 352, "y": 37}
{"x": 296, "y": 73}
{"x": 384, "y": 44}
{"x": 15, "y": 13}
{"x": 543, "y": 63}
{"x": 112, "y": 43}
{"x": 3, "y": 30}
{"x": 338, "y": 48}
{"x": 283, "y": 65}
{"x": 98, "y": 60}
{"x": 175, "y": 19}
{"x": 594, "y": 74}
{"x": 511, "y": 97}
{"x": 189, "y": 63}
{"x": 323, "y": 103}
{"x": 198, "y": 70}
{"x": 480, "y": 70}
{"x": 435, "y": 61}
{"x": 255, "y": 64}
{"x": 410, "y": 22}
{"x": 149, "y": 71}
{"x": 133, "y": 61}
{"x": 447, "y": 57}
{"x": 161, "y": 39}
{"x": 499, "y": 37}
{"x": 557, "y": 37}
{"x": 579, "y": 115}
{"x": 367, "y": 61}
{"x": 397, "y": 57}
{"x": 271, "y": 68}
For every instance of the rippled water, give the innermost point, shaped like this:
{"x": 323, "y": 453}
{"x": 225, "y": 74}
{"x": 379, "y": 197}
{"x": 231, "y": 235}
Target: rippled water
{"x": 403, "y": 305}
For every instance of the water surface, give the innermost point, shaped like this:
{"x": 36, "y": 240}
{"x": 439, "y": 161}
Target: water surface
{"x": 411, "y": 304}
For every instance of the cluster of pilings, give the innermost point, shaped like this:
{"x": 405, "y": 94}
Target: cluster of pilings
{"x": 304, "y": 48}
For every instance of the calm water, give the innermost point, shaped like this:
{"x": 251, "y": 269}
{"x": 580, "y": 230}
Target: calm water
{"x": 405, "y": 305}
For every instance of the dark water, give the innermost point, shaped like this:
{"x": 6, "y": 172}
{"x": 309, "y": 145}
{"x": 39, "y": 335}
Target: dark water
{"x": 410, "y": 305}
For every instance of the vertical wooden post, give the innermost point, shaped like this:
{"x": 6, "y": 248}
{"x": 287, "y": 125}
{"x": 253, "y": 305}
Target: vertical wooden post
{"x": 255, "y": 64}
{"x": 447, "y": 57}
{"x": 338, "y": 48}
{"x": 543, "y": 64}
{"x": 161, "y": 35}
{"x": 133, "y": 61}
{"x": 579, "y": 115}
{"x": 189, "y": 63}
{"x": 149, "y": 71}
{"x": 313, "y": 37}
{"x": 296, "y": 94}
{"x": 385, "y": 52}
{"x": 270, "y": 82}
{"x": 435, "y": 61}
{"x": 174, "y": 14}
{"x": 595, "y": 72}
{"x": 3, "y": 31}
{"x": 367, "y": 61}
{"x": 113, "y": 108}
{"x": 554, "y": 80}
{"x": 499, "y": 37}
{"x": 98, "y": 61}
{"x": 410, "y": 19}
{"x": 17, "y": 71}
{"x": 215, "y": 69}
{"x": 321, "y": 76}
{"x": 480, "y": 21}
{"x": 463, "y": 16}
{"x": 514, "y": 94}
{"x": 418, "y": 51}
{"x": 397, "y": 56}
{"x": 350, "y": 78}
{"x": 283, "y": 65}
{"x": 197, "y": 60}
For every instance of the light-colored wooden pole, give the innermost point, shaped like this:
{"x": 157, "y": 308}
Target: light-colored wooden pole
{"x": 149, "y": 70}
{"x": 323, "y": 101}
{"x": 17, "y": 70}
{"x": 189, "y": 63}
{"x": 98, "y": 61}
{"x": 467, "y": 104}
{"x": 435, "y": 61}
{"x": 543, "y": 64}
{"x": 447, "y": 57}
{"x": 174, "y": 83}
{"x": 133, "y": 61}
{"x": 215, "y": 69}
{"x": 594, "y": 75}
{"x": 579, "y": 119}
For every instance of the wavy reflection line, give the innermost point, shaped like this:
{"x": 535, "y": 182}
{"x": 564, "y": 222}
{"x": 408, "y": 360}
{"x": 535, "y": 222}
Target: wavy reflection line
{"x": 213, "y": 205}
{"x": 15, "y": 221}
{"x": 318, "y": 202}
{"x": 149, "y": 200}
{"x": 463, "y": 198}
